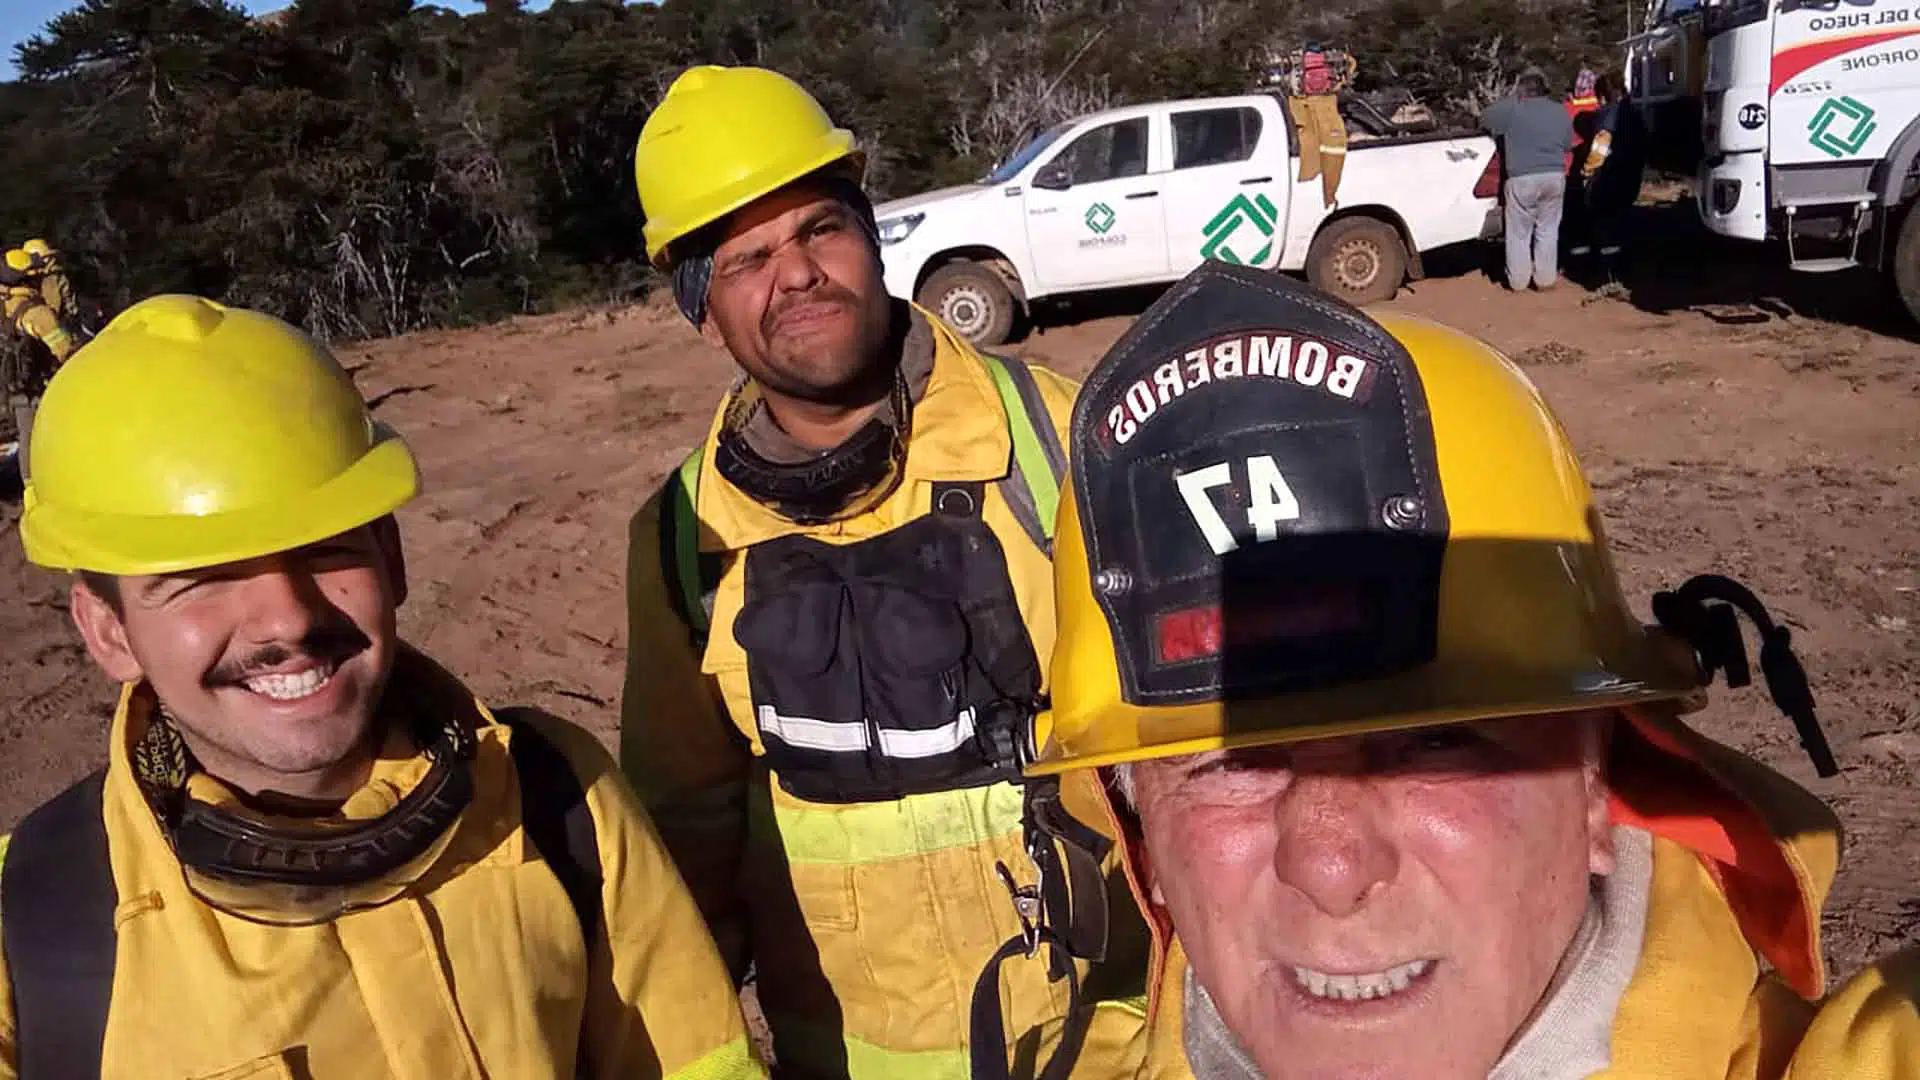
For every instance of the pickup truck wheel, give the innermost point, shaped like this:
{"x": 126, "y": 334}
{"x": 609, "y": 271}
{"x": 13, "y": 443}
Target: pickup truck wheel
{"x": 1906, "y": 262}
{"x": 973, "y": 300}
{"x": 1358, "y": 259}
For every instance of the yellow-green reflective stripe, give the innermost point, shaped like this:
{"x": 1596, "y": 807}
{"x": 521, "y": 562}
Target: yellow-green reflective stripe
{"x": 1028, "y": 455}
{"x": 735, "y": 1059}
{"x": 914, "y": 825}
{"x": 686, "y": 544}
{"x": 4, "y": 841}
{"x": 802, "y": 1044}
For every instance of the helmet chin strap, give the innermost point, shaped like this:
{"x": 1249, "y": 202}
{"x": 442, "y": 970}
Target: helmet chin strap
{"x": 1703, "y": 613}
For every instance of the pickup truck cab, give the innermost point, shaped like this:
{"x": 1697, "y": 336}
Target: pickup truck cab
{"x": 1143, "y": 194}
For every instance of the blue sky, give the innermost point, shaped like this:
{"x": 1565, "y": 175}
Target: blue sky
{"x": 26, "y": 18}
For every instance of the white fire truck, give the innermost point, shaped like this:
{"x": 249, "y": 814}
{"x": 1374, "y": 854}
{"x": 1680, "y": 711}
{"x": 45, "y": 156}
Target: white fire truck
{"x": 1807, "y": 114}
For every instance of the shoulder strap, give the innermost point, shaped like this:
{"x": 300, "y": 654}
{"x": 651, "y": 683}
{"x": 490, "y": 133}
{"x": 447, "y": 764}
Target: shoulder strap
{"x": 56, "y": 915}
{"x": 1039, "y": 461}
{"x": 554, "y": 811}
{"x": 690, "y": 576}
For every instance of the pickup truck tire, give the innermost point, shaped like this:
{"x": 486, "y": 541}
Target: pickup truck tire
{"x": 1358, "y": 259}
{"x": 973, "y": 299}
{"x": 1906, "y": 262}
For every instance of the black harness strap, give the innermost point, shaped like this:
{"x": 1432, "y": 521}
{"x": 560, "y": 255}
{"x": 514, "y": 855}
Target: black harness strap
{"x": 1072, "y": 885}
{"x": 554, "y": 811}
{"x": 1066, "y": 912}
{"x": 555, "y": 814}
{"x": 987, "y": 1024}
{"x": 57, "y": 899}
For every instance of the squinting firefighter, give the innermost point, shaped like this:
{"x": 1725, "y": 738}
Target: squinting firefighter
{"x": 1405, "y": 786}
{"x": 311, "y": 852}
{"x": 1314, "y": 76}
{"x": 840, "y": 612}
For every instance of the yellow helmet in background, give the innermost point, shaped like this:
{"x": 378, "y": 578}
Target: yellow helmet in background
{"x": 18, "y": 260}
{"x": 190, "y": 434}
{"x": 1288, "y": 520}
{"x": 722, "y": 138}
{"x": 39, "y": 248}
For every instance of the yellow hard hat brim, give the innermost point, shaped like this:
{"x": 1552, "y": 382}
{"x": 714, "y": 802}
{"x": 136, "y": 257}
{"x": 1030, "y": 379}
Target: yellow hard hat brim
{"x": 1129, "y": 734}
{"x": 66, "y": 538}
{"x": 836, "y": 147}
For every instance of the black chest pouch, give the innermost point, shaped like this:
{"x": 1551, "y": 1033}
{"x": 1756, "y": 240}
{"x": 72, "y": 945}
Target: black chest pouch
{"x": 893, "y": 666}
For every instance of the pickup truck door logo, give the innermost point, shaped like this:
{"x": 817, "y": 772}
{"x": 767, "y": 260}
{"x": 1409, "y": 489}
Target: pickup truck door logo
{"x": 1258, "y": 212}
{"x": 1100, "y": 218}
{"x": 1841, "y": 127}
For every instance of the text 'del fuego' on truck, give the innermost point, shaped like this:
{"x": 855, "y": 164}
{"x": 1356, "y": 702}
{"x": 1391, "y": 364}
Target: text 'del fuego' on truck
{"x": 1802, "y": 118}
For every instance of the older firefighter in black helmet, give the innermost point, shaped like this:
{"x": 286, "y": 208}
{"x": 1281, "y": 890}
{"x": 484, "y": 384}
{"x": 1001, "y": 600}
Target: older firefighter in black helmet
{"x": 1404, "y": 785}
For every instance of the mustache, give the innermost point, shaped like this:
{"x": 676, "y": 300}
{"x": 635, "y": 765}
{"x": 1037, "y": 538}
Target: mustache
{"x": 825, "y": 294}
{"x": 323, "y": 645}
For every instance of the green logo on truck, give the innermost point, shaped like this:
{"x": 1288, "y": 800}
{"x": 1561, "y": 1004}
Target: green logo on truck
{"x": 1841, "y": 127}
{"x": 1100, "y": 218}
{"x": 1257, "y": 213}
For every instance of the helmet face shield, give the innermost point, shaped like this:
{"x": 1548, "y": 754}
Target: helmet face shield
{"x": 1290, "y": 520}
{"x": 294, "y": 871}
{"x": 268, "y": 874}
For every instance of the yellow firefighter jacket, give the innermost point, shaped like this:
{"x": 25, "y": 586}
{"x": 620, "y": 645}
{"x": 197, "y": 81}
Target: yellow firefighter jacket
{"x": 867, "y": 922}
{"x": 1743, "y": 860}
{"x": 485, "y": 975}
{"x": 29, "y": 314}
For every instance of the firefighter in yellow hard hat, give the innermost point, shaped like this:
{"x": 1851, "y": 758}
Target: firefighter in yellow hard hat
{"x": 36, "y": 341}
{"x": 840, "y": 612}
{"x": 55, "y": 290}
{"x": 28, "y": 310}
{"x": 311, "y": 852}
{"x": 1404, "y": 785}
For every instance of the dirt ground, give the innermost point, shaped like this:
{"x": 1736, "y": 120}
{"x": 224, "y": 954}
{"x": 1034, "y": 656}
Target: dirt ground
{"x": 1732, "y": 418}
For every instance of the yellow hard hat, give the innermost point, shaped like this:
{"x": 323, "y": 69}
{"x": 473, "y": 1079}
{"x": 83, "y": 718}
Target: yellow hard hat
{"x": 723, "y": 137}
{"x": 190, "y": 434}
{"x": 1289, "y": 520}
{"x": 18, "y": 259}
{"x": 38, "y": 247}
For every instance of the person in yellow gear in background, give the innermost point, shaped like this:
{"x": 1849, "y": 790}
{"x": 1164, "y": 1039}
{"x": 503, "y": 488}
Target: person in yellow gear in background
{"x": 1405, "y": 786}
{"x": 311, "y": 852}
{"x": 1314, "y": 75}
{"x": 55, "y": 290}
{"x": 839, "y": 614}
{"x": 28, "y": 310}
{"x": 31, "y": 325}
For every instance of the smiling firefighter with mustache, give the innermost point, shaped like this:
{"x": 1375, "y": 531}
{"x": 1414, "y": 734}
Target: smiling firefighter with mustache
{"x": 311, "y": 852}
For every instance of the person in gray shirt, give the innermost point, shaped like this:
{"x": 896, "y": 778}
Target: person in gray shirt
{"x": 1535, "y": 136}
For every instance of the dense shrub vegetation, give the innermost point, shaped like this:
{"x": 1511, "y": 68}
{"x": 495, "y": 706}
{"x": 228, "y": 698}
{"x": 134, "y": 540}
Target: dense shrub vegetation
{"x": 368, "y": 167}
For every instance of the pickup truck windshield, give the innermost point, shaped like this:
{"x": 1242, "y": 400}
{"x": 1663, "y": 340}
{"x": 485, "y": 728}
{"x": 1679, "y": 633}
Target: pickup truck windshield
{"x": 1011, "y": 167}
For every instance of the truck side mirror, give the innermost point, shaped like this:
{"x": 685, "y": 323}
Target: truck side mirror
{"x": 1053, "y": 177}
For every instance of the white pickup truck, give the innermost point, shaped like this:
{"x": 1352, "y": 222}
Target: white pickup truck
{"x": 1143, "y": 194}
